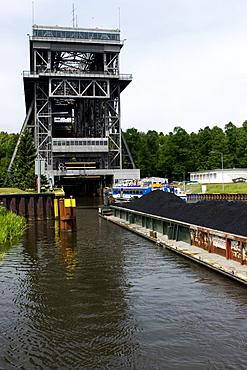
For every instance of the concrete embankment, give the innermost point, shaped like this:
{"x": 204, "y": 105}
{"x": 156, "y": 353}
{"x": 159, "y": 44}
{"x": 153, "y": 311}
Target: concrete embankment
{"x": 167, "y": 221}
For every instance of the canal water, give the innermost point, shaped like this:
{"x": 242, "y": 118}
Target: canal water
{"x": 104, "y": 298}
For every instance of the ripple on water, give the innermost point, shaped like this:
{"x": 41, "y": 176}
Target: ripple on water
{"x": 106, "y": 298}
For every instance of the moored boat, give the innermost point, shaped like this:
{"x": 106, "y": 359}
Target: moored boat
{"x": 133, "y": 190}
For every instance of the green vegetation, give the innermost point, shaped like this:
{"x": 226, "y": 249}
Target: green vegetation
{"x": 11, "y": 225}
{"x": 22, "y": 174}
{"x": 176, "y": 154}
{"x": 217, "y": 188}
{"x": 7, "y": 145}
{"x": 172, "y": 156}
{"x": 11, "y": 191}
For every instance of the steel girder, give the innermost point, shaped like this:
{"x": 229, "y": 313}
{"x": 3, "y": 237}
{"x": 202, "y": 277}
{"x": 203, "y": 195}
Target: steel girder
{"x": 43, "y": 124}
{"x": 113, "y": 127}
{"x": 93, "y": 118}
{"x": 64, "y": 61}
{"x": 71, "y": 88}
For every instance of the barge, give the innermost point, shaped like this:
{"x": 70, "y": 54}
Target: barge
{"x": 223, "y": 250}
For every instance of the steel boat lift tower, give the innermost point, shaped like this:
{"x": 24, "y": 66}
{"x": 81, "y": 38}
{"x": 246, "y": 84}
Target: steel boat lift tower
{"x": 72, "y": 95}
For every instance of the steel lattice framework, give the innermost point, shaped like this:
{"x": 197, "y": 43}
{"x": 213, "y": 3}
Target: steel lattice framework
{"x": 73, "y": 91}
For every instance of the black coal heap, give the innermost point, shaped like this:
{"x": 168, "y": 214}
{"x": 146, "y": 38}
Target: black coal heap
{"x": 222, "y": 215}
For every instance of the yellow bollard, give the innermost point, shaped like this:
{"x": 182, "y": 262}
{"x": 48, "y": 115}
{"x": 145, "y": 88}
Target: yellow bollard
{"x": 56, "y": 212}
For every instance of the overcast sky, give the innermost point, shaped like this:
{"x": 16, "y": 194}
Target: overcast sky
{"x": 188, "y": 58}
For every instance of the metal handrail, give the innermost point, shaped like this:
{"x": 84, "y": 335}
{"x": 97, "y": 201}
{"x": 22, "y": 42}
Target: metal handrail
{"x": 76, "y": 39}
{"x": 79, "y": 73}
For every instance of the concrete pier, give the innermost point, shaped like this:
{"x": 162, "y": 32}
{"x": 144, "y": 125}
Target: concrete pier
{"x": 216, "y": 262}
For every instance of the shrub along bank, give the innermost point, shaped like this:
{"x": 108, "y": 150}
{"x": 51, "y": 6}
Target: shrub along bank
{"x": 11, "y": 225}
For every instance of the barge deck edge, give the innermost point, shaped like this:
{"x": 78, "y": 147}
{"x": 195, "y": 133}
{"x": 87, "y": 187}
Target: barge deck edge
{"x": 229, "y": 268}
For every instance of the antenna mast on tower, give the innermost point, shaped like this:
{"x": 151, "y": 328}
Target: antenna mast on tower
{"x": 32, "y": 12}
{"x": 73, "y": 15}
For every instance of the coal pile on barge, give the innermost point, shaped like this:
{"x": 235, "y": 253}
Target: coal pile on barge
{"x": 222, "y": 215}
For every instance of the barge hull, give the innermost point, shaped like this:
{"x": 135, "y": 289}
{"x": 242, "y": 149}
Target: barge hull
{"x": 228, "y": 267}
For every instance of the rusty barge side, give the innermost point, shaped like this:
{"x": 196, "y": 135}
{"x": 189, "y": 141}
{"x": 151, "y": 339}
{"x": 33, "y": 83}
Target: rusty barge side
{"x": 223, "y": 252}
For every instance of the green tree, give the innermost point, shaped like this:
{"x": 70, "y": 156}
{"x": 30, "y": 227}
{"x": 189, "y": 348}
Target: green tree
{"x": 202, "y": 145}
{"x": 231, "y": 153}
{"x": 175, "y": 155}
{"x": 149, "y": 154}
{"x": 134, "y": 140}
{"x": 241, "y": 147}
{"x": 7, "y": 145}
{"x": 23, "y": 167}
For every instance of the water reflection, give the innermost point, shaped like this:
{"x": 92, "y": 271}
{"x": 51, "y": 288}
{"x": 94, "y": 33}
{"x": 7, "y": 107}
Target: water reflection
{"x": 67, "y": 241}
{"x": 5, "y": 247}
{"x": 104, "y": 298}
{"x": 69, "y": 301}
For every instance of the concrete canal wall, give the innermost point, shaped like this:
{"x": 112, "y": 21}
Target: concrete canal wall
{"x": 222, "y": 250}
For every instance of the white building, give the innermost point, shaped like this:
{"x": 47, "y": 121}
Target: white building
{"x": 227, "y": 175}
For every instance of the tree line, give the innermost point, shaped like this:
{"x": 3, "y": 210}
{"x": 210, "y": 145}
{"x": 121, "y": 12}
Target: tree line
{"x": 177, "y": 153}
{"x": 172, "y": 156}
{"x": 22, "y": 173}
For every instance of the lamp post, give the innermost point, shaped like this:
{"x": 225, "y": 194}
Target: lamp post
{"x": 222, "y": 168}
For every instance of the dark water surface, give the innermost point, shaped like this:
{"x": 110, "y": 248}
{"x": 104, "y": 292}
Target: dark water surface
{"x": 104, "y": 298}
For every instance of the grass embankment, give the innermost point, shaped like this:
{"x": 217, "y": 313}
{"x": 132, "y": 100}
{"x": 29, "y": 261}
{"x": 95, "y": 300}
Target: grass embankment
{"x": 240, "y": 187}
{"x": 5, "y": 191}
{"x": 11, "y": 225}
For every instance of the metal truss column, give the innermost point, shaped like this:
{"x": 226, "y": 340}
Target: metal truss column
{"x": 113, "y": 117}
{"x": 43, "y": 123}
